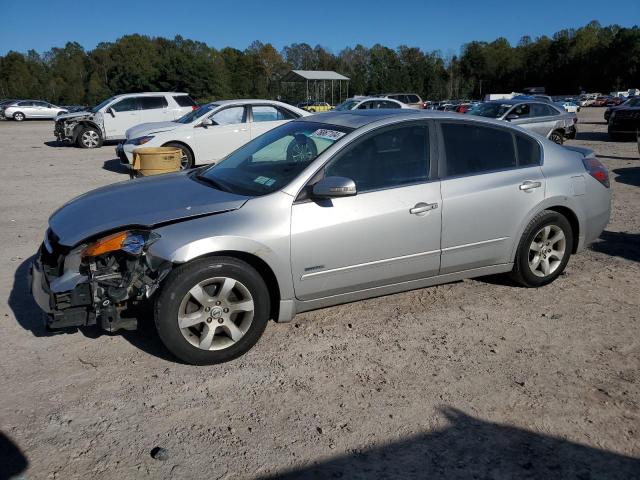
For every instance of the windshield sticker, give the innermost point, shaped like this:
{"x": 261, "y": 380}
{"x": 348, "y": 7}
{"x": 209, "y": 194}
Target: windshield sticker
{"x": 266, "y": 181}
{"x": 328, "y": 134}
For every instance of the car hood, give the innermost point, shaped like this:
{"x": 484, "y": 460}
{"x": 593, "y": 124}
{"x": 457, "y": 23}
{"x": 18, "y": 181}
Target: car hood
{"x": 145, "y": 202}
{"x": 74, "y": 115}
{"x": 150, "y": 128}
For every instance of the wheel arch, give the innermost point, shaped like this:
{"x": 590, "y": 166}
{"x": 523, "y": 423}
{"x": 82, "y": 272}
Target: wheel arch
{"x": 573, "y": 221}
{"x": 263, "y": 269}
{"x": 85, "y": 123}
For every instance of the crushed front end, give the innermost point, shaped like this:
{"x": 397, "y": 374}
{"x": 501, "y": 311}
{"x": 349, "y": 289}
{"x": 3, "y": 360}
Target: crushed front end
{"x": 100, "y": 282}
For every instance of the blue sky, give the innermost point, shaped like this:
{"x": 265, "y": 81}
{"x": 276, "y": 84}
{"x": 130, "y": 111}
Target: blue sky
{"x": 431, "y": 25}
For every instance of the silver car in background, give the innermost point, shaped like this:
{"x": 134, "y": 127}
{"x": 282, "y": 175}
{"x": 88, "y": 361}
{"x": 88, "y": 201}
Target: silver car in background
{"x": 544, "y": 118}
{"x": 381, "y": 202}
{"x": 25, "y": 109}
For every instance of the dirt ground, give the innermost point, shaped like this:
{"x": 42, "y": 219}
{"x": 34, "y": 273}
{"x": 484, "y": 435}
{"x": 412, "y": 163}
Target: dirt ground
{"x": 474, "y": 379}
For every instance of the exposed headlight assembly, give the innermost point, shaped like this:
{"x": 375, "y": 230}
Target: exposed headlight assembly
{"x": 133, "y": 242}
{"x": 140, "y": 140}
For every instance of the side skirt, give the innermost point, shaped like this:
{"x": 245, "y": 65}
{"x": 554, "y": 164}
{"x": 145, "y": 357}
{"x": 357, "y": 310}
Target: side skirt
{"x": 289, "y": 308}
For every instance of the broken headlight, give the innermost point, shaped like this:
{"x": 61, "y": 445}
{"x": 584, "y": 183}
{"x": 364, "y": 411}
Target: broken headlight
{"x": 129, "y": 241}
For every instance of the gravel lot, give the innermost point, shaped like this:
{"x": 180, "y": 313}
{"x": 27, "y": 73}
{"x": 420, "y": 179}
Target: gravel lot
{"x": 474, "y": 379}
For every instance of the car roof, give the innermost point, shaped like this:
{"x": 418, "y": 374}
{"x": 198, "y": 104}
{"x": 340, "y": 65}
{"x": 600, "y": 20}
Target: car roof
{"x": 148, "y": 94}
{"x": 359, "y": 118}
{"x": 516, "y": 101}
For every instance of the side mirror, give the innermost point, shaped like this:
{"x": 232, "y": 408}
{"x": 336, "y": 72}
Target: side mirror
{"x": 333, "y": 187}
{"x": 111, "y": 111}
{"x": 512, "y": 116}
{"x": 207, "y": 122}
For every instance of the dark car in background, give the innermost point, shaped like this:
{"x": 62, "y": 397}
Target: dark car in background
{"x": 624, "y": 122}
{"x": 630, "y": 102}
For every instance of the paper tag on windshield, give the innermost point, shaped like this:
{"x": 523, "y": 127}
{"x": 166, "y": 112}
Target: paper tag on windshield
{"x": 328, "y": 134}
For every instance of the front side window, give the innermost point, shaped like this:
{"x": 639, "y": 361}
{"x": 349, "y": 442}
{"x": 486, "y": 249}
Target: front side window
{"x": 152, "y": 103}
{"x": 522, "y": 111}
{"x": 347, "y": 105}
{"x": 126, "y": 105}
{"x": 472, "y": 149}
{"x": 229, "y": 116}
{"x": 25, "y": 104}
{"x": 391, "y": 158}
{"x": 272, "y": 160}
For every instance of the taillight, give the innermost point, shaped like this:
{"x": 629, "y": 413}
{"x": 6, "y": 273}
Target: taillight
{"x": 194, "y": 107}
{"x": 597, "y": 170}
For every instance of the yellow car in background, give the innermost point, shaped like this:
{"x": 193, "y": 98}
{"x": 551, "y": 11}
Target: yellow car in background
{"x": 315, "y": 107}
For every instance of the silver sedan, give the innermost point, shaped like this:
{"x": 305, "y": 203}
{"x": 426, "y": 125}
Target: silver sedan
{"x": 326, "y": 209}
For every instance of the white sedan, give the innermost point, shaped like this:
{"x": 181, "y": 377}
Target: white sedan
{"x": 211, "y": 132}
{"x": 368, "y": 103}
{"x": 569, "y": 107}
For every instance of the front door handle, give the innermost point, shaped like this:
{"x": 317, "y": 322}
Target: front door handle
{"x": 422, "y": 207}
{"x": 529, "y": 185}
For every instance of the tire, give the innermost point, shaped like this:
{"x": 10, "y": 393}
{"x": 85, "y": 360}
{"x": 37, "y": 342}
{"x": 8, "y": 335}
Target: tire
{"x": 89, "y": 137}
{"x": 557, "y": 137}
{"x": 18, "y": 116}
{"x": 187, "y": 160}
{"x": 205, "y": 336}
{"x": 301, "y": 149}
{"x": 529, "y": 254}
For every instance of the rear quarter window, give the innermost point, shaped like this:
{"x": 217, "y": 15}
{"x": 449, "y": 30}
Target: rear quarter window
{"x": 528, "y": 151}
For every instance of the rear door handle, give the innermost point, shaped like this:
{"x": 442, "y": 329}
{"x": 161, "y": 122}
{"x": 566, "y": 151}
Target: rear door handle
{"x": 422, "y": 207}
{"x": 529, "y": 185}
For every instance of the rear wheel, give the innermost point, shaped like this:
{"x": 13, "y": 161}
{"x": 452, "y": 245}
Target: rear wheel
{"x": 89, "y": 137}
{"x": 18, "y": 116}
{"x": 301, "y": 149}
{"x": 544, "y": 250}
{"x": 212, "y": 310}
{"x": 186, "y": 160}
{"x": 557, "y": 137}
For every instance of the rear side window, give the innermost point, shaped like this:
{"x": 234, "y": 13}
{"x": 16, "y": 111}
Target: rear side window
{"x": 528, "y": 151}
{"x": 539, "y": 110}
{"x": 392, "y": 158}
{"x": 472, "y": 149}
{"x": 185, "y": 101}
{"x": 151, "y": 103}
{"x": 267, "y": 113}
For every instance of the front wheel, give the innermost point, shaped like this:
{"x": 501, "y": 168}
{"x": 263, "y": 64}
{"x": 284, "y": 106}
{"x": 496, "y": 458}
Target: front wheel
{"x": 212, "y": 310}
{"x": 89, "y": 137}
{"x": 557, "y": 137}
{"x": 186, "y": 158}
{"x": 544, "y": 250}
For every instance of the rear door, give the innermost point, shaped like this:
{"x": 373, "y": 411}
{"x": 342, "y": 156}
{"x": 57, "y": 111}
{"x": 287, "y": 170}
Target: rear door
{"x": 491, "y": 181}
{"x": 388, "y": 233}
{"x": 154, "y": 109}
{"x": 266, "y": 117}
{"x": 230, "y": 131}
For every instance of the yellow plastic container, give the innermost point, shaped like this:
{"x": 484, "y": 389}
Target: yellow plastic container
{"x": 155, "y": 160}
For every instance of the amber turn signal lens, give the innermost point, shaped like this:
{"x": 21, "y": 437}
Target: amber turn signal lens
{"x": 106, "y": 244}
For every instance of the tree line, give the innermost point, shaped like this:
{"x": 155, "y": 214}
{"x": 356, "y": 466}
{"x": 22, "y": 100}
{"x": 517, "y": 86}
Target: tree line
{"x": 591, "y": 58}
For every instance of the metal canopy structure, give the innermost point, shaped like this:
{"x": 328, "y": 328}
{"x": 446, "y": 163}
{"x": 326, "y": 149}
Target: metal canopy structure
{"x": 315, "y": 83}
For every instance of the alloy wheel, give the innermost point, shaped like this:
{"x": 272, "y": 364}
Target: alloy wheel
{"x": 216, "y": 313}
{"x": 301, "y": 152}
{"x": 547, "y": 250}
{"x": 90, "y": 138}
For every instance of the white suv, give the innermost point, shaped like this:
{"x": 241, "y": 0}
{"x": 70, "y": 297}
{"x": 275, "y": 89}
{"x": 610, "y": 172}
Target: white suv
{"x": 110, "y": 119}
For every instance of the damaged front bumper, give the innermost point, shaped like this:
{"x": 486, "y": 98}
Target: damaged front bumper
{"x": 76, "y": 292}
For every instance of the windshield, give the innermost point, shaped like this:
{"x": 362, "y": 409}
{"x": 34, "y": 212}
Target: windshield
{"x": 491, "y": 110}
{"x": 197, "y": 113}
{"x": 272, "y": 160}
{"x": 632, "y": 102}
{"x": 100, "y": 105}
{"x": 347, "y": 105}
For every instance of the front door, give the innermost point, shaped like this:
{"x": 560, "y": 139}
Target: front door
{"x": 229, "y": 132}
{"x": 491, "y": 182}
{"x": 125, "y": 114}
{"x": 388, "y": 233}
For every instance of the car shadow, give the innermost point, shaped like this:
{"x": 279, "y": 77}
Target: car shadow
{"x": 614, "y": 157}
{"x": 593, "y": 136}
{"x": 619, "y": 244}
{"x": 470, "y": 448}
{"x": 115, "y": 165}
{"x": 628, "y": 176}
{"x": 57, "y": 144}
{"x": 13, "y": 462}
